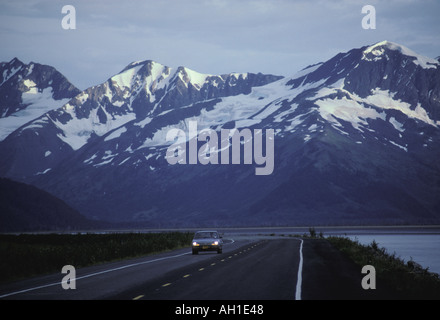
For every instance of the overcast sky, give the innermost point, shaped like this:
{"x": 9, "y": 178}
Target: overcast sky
{"x": 208, "y": 36}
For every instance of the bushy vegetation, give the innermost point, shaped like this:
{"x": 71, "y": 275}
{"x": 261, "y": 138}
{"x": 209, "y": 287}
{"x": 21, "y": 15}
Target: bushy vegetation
{"x": 408, "y": 279}
{"x": 34, "y": 254}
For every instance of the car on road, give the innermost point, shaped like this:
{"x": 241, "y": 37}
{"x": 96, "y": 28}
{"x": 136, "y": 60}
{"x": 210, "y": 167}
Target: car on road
{"x": 207, "y": 241}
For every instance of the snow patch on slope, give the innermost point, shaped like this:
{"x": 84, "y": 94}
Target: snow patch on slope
{"x": 382, "y": 99}
{"x": 76, "y": 132}
{"x": 38, "y": 104}
{"x": 347, "y": 110}
{"x": 197, "y": 79}
{"x": 126, "y": 78}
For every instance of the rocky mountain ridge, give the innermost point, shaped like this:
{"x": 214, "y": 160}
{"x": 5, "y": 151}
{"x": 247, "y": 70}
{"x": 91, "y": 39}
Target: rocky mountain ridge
{"x": 356, "y": 138}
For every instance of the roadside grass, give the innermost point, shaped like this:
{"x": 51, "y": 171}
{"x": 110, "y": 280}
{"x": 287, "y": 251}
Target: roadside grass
{"x": 408, "y": 279}
{"x": 27, "y": 255}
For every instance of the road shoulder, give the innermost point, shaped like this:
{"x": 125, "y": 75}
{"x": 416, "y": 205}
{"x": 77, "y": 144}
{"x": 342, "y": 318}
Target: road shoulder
{"x": 330, "y": 275}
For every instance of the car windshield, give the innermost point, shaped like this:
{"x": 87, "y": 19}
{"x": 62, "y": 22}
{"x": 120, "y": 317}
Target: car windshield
{"x": 206, "y": 235}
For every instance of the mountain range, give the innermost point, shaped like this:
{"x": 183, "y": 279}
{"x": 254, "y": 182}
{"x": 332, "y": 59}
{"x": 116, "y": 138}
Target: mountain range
{"x": 356, "y": 141}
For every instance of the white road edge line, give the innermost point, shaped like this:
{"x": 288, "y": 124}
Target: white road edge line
{"x": 95, "y": 274}
{"x": 92, "y": 275}
{"x": 300, "y": 267}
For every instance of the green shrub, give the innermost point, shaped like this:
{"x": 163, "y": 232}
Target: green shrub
{"x": 410, "y": 280}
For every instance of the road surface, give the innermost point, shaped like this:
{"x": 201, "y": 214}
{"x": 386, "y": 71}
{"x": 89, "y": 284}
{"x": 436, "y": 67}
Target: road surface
{"x": 250, "y": 268}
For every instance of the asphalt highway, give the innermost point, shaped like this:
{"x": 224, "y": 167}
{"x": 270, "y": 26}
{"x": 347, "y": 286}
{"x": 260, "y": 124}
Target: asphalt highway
{"x": 262, "y": 270}
{"x": 250, "y": 268}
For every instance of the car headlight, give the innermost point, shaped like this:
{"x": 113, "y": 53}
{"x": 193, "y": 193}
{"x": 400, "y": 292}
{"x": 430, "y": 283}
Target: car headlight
{"x": 195, "y": 244}
{"x": 215, "y": 243}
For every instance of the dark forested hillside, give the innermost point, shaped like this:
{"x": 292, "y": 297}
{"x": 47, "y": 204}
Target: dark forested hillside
{"x": 26, "y": 208}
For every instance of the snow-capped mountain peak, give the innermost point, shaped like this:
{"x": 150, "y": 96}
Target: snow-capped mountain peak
{"x": 188, "y": 76}
{"x": 9, "y": 69}
{"x": 147, "y": 71}
{"x": 377, "y": 51}
{"x": 28, "y": 91}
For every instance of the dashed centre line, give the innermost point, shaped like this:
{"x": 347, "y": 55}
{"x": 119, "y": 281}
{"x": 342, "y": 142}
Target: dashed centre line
{"x": 203, "y": 268}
